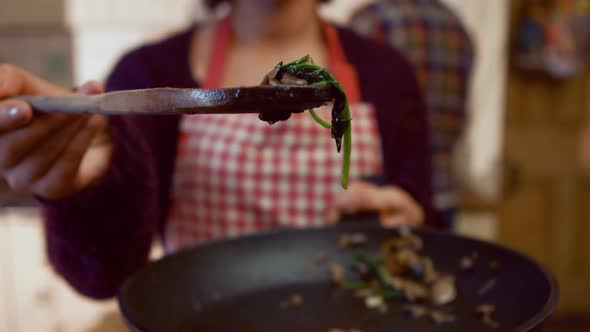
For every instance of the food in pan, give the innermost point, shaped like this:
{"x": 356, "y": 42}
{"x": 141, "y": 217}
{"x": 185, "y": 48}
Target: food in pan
{"x": 304, "y": 72}
{"x": 441, "y": 317}
{"x": 487, "y": 287}
{"x": 320, "y": 259}
{"x": 402, "y": 272}
{"x": 337, "y": 274}
{"x": 348, "y": 240}
{"x": 485, "y": 313}
{"x": 467, "y": 263}
{"x": 295, "y": 300}
{"x": 495, "y": 266}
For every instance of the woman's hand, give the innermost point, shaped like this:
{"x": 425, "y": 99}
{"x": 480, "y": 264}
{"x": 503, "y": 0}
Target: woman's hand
{"x": 50, "y": 155}
{"x": 394, "y": 206}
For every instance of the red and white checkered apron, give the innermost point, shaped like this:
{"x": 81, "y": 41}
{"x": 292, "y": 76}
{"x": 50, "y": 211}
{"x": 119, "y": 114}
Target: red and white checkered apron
{"x": 238, "y": 175}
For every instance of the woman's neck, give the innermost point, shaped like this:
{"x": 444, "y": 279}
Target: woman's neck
{"x": 264, "y": 32}
{"x": 274, "y": 22}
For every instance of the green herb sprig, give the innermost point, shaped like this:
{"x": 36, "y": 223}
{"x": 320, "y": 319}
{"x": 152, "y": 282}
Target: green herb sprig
{"x": 340, "y": 126}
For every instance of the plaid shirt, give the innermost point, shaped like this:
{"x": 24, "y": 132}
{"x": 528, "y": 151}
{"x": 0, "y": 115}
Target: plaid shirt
{"x": 435, "y": 42}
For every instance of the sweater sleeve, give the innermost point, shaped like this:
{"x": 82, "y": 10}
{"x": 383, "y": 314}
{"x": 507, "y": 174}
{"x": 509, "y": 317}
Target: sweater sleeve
{"x": 96, "y": 238}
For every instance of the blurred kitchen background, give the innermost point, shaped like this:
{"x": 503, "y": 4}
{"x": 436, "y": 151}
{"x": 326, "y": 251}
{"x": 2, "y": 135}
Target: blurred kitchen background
{"x": 521, "y": 164}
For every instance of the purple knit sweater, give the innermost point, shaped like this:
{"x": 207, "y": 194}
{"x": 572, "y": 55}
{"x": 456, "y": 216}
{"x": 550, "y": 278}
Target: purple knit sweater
{"x": 100, "y": 236}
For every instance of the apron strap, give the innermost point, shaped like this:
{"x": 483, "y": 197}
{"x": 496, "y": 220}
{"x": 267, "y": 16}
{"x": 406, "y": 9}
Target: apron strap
{"x": 343, "y": 70}
{"x": 218, "y": 56}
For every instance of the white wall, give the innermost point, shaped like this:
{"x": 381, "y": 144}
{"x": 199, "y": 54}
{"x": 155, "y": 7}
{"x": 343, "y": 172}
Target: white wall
{"x": 104, "y": 30}
{"x": 487, "y": 21}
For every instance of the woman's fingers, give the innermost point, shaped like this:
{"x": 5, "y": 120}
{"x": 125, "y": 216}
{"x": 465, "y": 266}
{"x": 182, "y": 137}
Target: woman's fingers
{"x": 44, "y": 153}
{"x": 360, "y": 196}
{"x": 96, "y": 161}
{"x": 399, "y": 208}
{"x": 15, "y": 81}
{"x": 91, "y": 88}
{"x": 66, "y": 174}
{"x": 16, "y": 144}
{"x": 14, "y": 115}
{"x": 394, "y": 205}
{"x": 398, "y": 218}
{"x": 39, "y": 160}
{"x": 393, "y": 220}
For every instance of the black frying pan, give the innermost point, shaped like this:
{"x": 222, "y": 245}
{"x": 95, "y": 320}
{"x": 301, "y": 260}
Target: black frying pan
{"x": 238, "y": 285}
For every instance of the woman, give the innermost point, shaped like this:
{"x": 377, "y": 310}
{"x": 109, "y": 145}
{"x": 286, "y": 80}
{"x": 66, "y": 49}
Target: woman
{"x": 108, "y": 185}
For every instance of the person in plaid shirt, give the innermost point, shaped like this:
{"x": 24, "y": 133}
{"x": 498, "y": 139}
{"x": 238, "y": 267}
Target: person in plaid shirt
{"x": 109, "y": 185}
{"x": 433, "y": 38}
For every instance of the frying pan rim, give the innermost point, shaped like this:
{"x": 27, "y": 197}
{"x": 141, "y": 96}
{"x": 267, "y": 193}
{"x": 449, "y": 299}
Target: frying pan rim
{"x": 531, "y": 323}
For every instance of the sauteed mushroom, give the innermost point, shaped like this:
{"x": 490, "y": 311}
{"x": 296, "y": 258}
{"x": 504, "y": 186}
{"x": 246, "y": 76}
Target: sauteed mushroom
{"x": 348, "y": 240}
{"x": 415, "y": 311}
{"x": 467, "y": 263}
{"x": 295, "y": 300}
{"x": 439, "y": 317}
{"x": 443, "y": 290}
{"x": 337, "y": 274}
{"x": 485, "y": 313}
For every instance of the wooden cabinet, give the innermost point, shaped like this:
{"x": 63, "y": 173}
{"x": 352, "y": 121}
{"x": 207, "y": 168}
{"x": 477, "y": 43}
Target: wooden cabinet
{"x": 546, "y": 211}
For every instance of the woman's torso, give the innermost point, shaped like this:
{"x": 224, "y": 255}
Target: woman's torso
{"x": 236, "y": 175}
